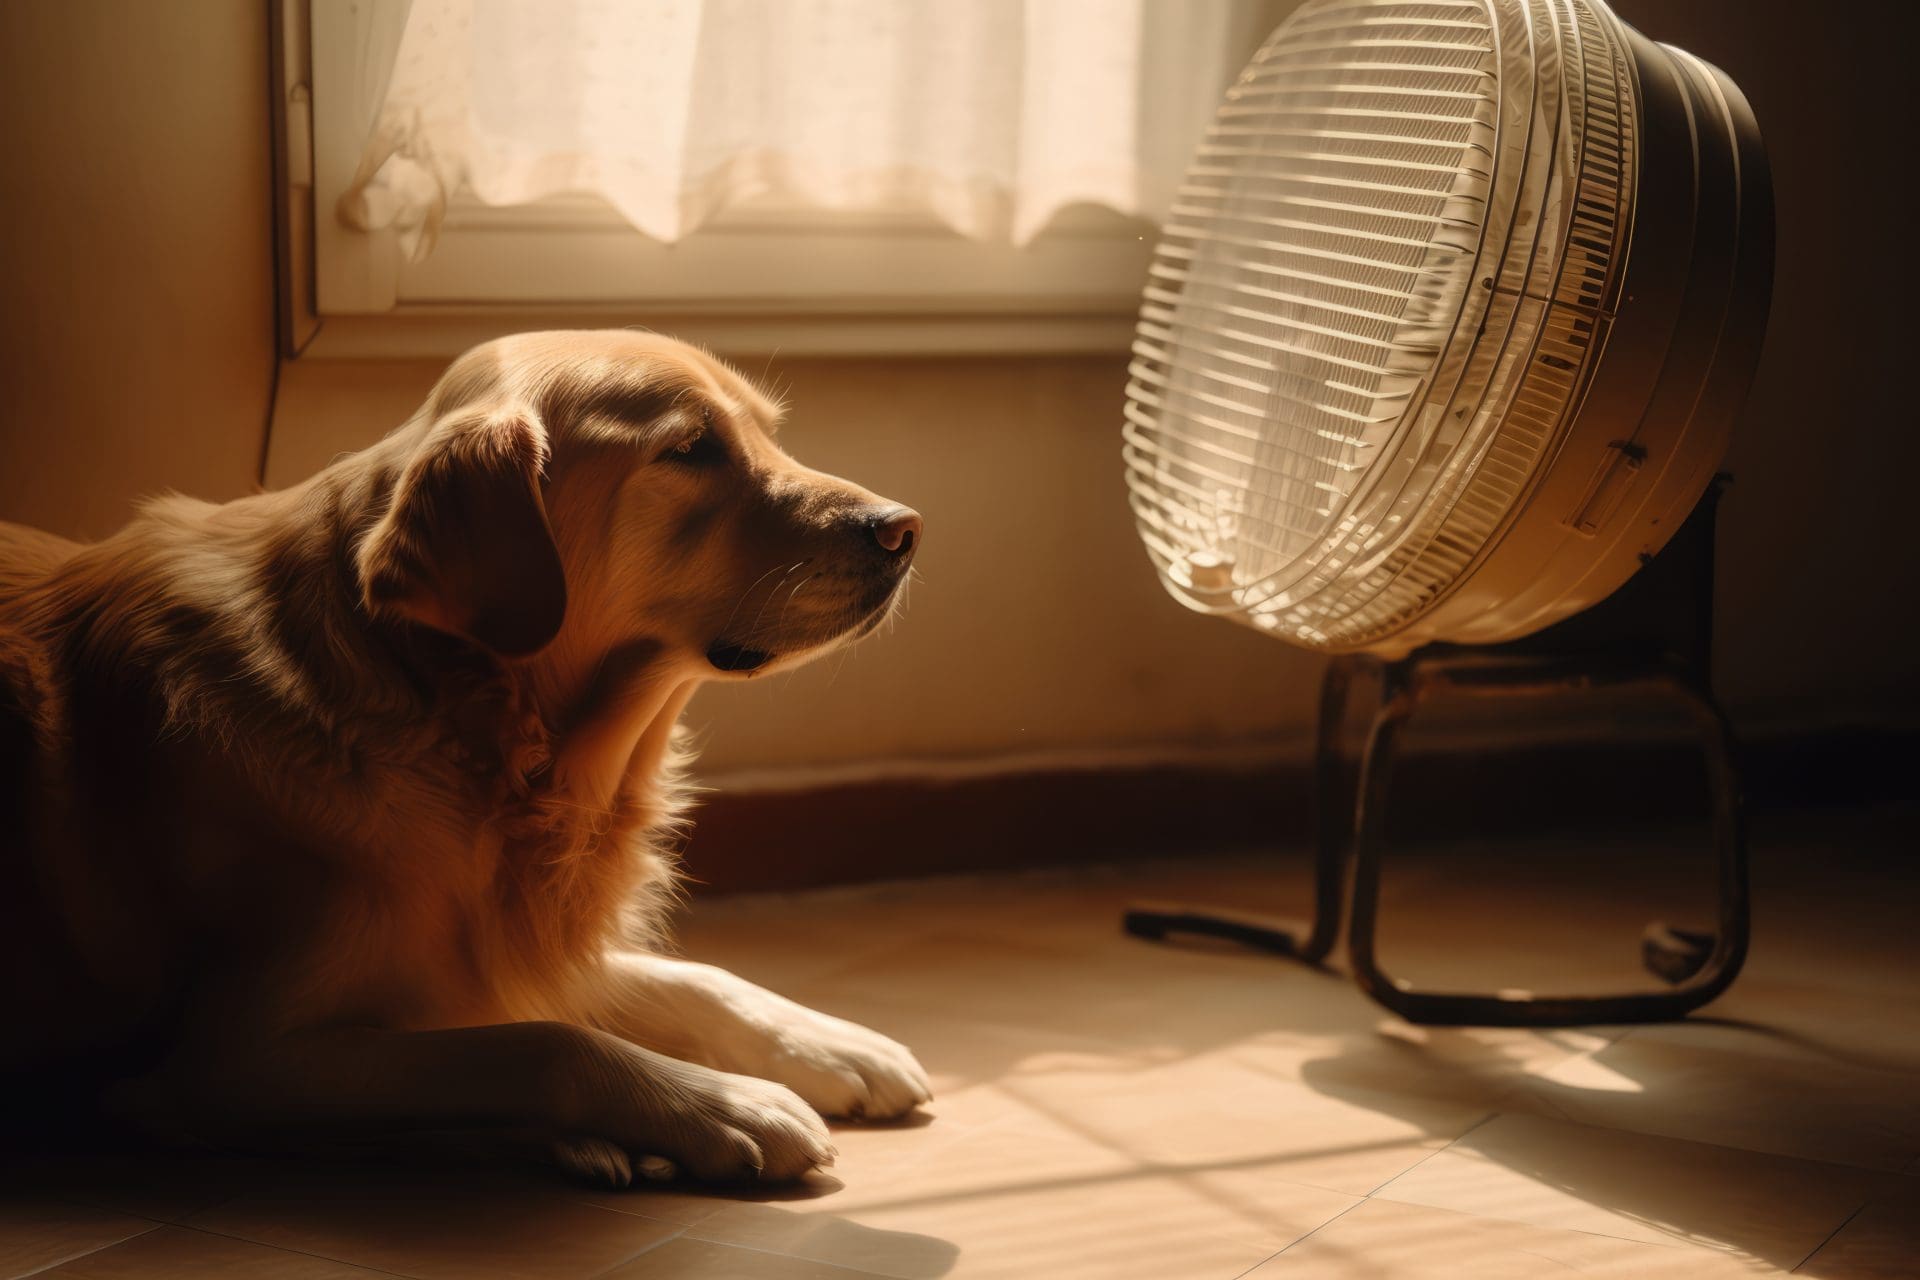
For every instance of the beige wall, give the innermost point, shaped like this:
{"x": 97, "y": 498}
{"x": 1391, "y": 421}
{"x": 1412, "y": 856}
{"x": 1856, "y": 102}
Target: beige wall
{"x": 134, "y": 227}
{"x": 136, "y": 338}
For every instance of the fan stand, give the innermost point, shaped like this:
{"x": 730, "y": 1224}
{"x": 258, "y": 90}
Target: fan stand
{"x": 1654, "y": 634}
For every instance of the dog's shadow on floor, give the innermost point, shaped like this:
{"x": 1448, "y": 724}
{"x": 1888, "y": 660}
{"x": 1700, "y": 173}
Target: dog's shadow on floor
{"x": 430, "y": 1209}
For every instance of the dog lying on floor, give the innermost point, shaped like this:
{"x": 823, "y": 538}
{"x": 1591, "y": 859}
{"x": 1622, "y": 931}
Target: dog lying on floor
{"x": 342, "y": 810}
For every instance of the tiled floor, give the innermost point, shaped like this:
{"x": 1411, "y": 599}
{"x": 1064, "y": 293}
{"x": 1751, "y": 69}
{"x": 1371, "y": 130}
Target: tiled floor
{"x": 1109, "y": 1109}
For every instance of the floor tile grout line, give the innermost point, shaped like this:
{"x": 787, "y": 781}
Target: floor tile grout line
{"x": 1309, "y": 1235}
{"x": 1104, "y": 1176}
{"x": 1448, "y": 1146}
{"x": 95, "y": 1204}
{"x": 1672, "y": 1245}
{"x": 1694, "y": 1142}
{"x": 304, "y": 1253}
{"x": 647, "y": 1217}
{"x": 88, "y": 1253}
{"x": 1495, "y": 1115}
{"x": 777, "y": 1253}
{"x": 185, "y": 1225}
{"x": 639, "y": 1253}
{"x": 1828, "y": 1239}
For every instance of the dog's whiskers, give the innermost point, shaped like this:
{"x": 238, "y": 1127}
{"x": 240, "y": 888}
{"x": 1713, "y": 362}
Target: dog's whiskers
{"x": 753, "y": 628}
{"x": 789, "y": 568}
{"x": 780, "y": 622}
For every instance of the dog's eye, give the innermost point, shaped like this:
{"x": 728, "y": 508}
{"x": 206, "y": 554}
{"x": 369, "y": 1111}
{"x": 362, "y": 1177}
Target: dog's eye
{"x": 702, "y": 450}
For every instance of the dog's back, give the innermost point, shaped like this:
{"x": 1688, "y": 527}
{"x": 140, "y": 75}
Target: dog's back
{"x": 95, "y": 943}
{"x": 26, "y": 557}
{"x": 115, "y": 825}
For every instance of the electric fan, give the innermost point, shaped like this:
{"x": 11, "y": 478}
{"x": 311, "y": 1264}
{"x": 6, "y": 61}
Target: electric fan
{"x": 1442, "y": 343}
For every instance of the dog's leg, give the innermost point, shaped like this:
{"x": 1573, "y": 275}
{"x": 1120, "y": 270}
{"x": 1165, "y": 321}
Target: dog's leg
{"x": 608, "y": 1103}
{"x": 706, "y": 1014}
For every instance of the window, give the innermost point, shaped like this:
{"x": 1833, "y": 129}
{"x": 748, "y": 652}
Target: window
{"x": 817, "y": 175}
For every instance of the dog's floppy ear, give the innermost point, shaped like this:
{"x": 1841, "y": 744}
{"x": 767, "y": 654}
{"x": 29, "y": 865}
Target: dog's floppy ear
{"x": 464, "y": 546}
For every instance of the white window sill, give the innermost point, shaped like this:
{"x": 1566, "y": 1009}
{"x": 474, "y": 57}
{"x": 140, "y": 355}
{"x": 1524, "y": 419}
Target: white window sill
{"x": 753, "y": 285}
{"x": 442, "y": 333}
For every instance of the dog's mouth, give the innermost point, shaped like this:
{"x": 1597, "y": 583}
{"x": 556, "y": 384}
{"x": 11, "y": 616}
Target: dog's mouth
{"x": 726, "y": 656}
{"x": 865, "y": 614}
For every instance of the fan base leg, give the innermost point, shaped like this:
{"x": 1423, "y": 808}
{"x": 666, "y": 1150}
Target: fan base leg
{"x": 1157, "y": 922}
{"x": 1699, "y": 966}
{"x": 1674, "y": 954}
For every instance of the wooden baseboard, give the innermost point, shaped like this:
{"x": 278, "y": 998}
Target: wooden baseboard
{"x": 902, "y": 827}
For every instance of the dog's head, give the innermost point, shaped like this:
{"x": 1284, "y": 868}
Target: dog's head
{"x": 609, "y": 491}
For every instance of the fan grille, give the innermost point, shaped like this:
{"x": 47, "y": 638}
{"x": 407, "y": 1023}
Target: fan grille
{"x": 1372, "y": 306}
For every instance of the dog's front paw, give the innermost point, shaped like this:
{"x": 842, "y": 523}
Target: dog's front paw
{"x": 626, "y": 1112}
{"x": 841, "y": 1068}
{"x": 735, "y": 1128}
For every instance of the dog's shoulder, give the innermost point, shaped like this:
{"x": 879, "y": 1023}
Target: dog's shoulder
{"x": 28, "y": 699}
{"x": 33, "y": 748}
{"x": 29, "y": 695}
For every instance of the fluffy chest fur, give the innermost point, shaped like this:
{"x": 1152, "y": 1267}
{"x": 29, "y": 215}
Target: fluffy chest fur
{"x": 253, "y": 793}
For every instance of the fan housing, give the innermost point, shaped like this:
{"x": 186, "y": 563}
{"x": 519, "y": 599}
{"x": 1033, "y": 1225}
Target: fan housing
{"x": 1449, "y": 324}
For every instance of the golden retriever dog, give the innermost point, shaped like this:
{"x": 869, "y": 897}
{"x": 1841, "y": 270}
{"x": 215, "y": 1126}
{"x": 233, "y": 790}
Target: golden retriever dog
{"x": 347, "y": 810}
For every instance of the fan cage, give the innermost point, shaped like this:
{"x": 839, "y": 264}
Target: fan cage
{"x": 1375, "y": 306}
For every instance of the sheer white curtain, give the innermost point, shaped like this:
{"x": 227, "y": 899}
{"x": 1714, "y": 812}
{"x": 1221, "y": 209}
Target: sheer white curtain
{"x": 988, "y": 114}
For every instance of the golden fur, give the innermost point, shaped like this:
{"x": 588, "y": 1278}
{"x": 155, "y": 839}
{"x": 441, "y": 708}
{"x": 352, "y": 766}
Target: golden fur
{"x": 297, "y": 785}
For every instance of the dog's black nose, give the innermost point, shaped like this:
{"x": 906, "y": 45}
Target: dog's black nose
{"x": 897, "y": 530}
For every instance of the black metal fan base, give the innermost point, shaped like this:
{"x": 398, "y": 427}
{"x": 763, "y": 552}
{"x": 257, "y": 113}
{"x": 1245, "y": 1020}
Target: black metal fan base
{"x": 1653, "y": 635}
